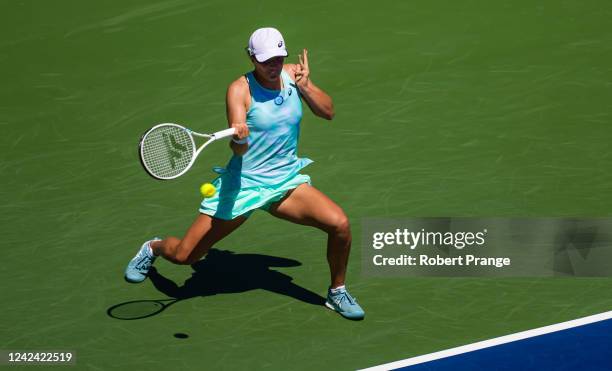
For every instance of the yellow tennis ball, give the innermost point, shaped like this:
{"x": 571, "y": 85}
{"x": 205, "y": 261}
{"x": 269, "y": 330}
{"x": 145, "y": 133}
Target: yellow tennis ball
{"x": 208, "y": 190}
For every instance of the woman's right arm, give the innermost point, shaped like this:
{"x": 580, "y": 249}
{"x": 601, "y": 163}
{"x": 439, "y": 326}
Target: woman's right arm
{"x": 236, "y": 103}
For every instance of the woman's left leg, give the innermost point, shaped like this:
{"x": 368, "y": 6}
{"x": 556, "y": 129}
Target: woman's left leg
{"x": 308, "y": 206}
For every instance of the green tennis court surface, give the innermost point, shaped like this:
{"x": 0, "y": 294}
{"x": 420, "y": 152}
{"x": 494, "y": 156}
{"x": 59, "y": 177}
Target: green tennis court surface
{"x": 443, "y": 108}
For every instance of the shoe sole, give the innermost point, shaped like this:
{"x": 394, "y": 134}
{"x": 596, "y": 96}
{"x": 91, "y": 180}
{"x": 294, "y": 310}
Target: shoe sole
{"x": 132, "y": 281}
{"x": 331, "y": 307}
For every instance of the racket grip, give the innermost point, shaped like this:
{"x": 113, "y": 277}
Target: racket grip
{"x": 224, "y": 133}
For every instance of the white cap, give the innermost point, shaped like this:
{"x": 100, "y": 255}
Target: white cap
{"x": 266, "y": 43}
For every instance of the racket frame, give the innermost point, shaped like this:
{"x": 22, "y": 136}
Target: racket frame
{"x": 211, "y": 138}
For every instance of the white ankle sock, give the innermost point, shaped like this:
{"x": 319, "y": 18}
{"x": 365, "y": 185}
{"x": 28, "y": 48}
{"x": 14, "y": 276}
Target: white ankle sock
{"x": 337, "y": 289}
{"x": 150, "y": 250}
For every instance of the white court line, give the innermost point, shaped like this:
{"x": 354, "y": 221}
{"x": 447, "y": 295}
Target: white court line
{"x": 493, "y": 342}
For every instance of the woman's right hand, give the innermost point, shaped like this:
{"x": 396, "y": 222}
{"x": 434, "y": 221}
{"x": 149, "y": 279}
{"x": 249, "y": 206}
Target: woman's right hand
{"x": 239, "y": 143}
{"x": 242, "y": 130}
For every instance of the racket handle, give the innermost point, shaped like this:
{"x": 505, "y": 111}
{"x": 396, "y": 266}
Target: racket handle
{"x": 224, "y": 133}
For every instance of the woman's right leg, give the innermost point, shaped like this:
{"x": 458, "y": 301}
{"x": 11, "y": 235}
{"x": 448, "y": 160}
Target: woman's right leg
{"x": 205, "y": 232}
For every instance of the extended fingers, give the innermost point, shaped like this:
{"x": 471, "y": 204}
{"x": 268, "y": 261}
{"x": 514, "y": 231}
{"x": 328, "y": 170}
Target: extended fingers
{"x": 298, "y": 72}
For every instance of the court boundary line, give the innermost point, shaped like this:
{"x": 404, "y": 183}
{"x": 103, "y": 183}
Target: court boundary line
{"x": 493, "y": 342}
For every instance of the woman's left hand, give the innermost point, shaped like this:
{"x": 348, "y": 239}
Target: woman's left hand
{"x": 302, "y": 72}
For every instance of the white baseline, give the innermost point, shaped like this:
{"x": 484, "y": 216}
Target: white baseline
{"x": 493, "y": 342}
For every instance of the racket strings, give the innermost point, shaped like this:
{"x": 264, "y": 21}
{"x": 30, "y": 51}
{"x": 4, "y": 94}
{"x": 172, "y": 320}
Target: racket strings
{"x": 167, "y": 151}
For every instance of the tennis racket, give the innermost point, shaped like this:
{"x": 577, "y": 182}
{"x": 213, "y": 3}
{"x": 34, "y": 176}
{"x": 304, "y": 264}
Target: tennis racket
{"x": 168, "y": 150}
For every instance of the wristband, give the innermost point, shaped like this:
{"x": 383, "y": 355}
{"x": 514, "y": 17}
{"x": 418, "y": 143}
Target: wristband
{"x": 241, "y": 141}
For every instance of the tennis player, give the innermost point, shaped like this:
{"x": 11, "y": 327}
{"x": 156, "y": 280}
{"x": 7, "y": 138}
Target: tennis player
{"x": 265, "y": 108}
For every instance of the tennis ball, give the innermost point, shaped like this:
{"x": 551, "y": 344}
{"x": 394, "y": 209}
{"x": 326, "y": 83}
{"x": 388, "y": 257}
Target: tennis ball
{"x": 208, "y": 190}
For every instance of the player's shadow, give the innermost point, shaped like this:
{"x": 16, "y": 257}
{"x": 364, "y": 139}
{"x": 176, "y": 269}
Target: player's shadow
{"x": 221, "y": 272}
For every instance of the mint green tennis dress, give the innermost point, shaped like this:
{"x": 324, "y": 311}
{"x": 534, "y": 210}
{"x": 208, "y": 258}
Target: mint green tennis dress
{"x": 271, "y": 166}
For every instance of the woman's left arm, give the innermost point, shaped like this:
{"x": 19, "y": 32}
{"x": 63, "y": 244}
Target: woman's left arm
{"x": 319, "y": 102}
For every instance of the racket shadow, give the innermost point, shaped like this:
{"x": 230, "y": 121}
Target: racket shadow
{"x": 221, "y": 272}
{"x": 139, "y": 309}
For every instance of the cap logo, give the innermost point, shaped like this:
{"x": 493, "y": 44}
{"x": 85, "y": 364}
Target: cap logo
{"x": 280, "y": 44}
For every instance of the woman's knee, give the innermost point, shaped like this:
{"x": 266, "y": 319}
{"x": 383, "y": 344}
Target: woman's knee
{"x": 340, "y": 226}
{"x": 182, "y": 252}
{"x": 187, "y": 255}
{"x": 183, "y": 258}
